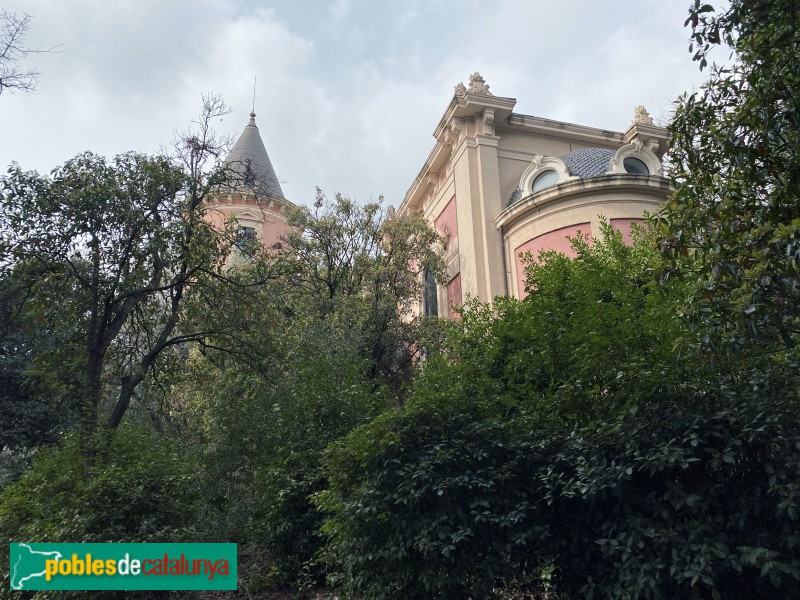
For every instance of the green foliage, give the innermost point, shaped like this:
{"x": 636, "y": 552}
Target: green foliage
{"x": 416, "y": 502}
{"x": 29, "y": 416}
{"x": 594, "y": 336}
{"x": 735, "y": 219}
{"x": 335, "y": 352}
{"x": 352, "y": 260}
{"x": 143, "y": 488}
{"x": 266, "y": 437}
{"x": 455, "y": 504}
{"x": 679, "y": 504}
{"x": 110, "y": 255}
{"x": 564, "y": 440}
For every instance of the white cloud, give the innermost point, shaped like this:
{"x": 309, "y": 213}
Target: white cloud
{"x": 348, "y": 92}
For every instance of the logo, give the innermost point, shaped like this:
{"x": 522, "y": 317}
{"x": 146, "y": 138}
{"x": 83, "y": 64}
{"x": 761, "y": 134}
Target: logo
{"x": 122, "y": 566}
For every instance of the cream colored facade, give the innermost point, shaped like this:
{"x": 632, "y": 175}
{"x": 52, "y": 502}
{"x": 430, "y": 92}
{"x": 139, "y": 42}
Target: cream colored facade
{"x": 477, "y": 187}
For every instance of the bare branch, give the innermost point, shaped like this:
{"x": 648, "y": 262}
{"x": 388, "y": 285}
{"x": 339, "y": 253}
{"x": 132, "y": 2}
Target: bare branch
{"x": 13, "y": 76}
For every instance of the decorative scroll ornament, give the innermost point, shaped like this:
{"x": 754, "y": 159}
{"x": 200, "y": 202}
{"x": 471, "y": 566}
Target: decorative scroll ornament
{"x": 432, "y": 180}
{"x": 477, "y": 85}
{"x": 454, "y": 133}
{"x": 488, "y": 121}
{"x": 641, "y": 116}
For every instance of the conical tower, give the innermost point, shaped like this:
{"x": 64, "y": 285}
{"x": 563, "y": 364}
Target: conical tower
{"x": 250, "y": 164}
{"x": 253, "y": 197}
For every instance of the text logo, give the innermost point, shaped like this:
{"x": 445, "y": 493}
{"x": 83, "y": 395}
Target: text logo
{"x": 122, "y": 566}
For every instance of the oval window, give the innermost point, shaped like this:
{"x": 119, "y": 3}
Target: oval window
{"x": 545, "y": 179}
{"x": 635, "y": 166}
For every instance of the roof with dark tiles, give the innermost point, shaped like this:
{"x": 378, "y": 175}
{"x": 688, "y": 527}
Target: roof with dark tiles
{"x": 588, "y": 162}
{"x": 250, "y": 163}
{"x": 516, "y": 195}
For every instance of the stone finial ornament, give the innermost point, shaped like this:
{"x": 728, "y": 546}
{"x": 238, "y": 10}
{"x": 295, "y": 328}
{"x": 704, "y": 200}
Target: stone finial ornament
{"x": 460, "y": 89}
{"x": 477, "y": 85}
{"x": 641, "y": 116}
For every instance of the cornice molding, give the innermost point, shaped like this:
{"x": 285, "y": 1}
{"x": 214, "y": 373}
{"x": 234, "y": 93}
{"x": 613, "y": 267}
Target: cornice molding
{"x": 649, "y": 190}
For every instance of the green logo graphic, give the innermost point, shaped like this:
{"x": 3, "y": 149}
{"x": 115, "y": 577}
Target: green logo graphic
{"x": 28, "y": 564}
{"x": 122, "y": 566}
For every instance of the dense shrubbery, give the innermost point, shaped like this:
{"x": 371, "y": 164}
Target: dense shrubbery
{"x": 265, "y": 441}
{"x": 452, "y": 504}
{"x": 562, "y": 443}
{"x": 143, "y": 488}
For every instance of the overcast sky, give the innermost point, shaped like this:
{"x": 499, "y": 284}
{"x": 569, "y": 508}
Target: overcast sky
{"x": 349, "y": 92}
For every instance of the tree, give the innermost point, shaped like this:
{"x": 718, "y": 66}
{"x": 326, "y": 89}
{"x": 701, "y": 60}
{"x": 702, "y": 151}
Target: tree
{"x": 13, "y": 76}
{"x": 118, "y": 251}
{"x": 735, "y": 219}
{"x": 334, "y": 329}
{"x": 347, "y": 258}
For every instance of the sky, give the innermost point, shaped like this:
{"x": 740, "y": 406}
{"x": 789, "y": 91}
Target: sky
{"x": 348, "y": 92}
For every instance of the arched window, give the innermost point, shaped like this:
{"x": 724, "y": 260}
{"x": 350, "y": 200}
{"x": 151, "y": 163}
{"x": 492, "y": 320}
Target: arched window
{"x": 636, "y": 159}
{"x": 544, "y": 179}
{"x": 635, "y": 166}
{"x": 543, "y": 172}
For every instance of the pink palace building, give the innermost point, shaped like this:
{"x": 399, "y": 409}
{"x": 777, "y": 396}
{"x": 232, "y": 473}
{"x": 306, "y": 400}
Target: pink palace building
{"x": 498, "y": 184}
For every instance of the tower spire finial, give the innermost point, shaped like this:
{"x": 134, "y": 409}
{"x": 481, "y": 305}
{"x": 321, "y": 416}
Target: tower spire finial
{"x": 253, "y": 111}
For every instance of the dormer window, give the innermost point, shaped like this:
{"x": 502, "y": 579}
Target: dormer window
{"x": 545, "y": 179}
{"x": 636, "y": 159}
{"x": 543, "y": 172}
{"x": 635, "y": 166}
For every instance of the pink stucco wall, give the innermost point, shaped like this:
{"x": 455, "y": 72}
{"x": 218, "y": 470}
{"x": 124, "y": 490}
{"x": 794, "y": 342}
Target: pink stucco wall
{"x": 624, "y": 227}
{"x": 273, "y": 227}
{"x": 552, "y": 240}
{"x": 454, "y": 297}
{"x": 273, "y": 231}
{"x": 447, "y": 221}
{"x": 217, "y": 218}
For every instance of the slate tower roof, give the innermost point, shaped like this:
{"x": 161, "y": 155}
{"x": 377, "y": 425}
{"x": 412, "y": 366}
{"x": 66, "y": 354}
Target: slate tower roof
{"x": 250, "y": 163}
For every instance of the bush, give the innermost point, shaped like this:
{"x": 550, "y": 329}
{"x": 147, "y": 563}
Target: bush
{"x": 667, "y": 504}
{"x": 569, "y": 442}
{"x": 142, "y": 489}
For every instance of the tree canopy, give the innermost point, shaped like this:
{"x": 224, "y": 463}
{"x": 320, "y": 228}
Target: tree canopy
{"x": 108, "y": 255}
{"x": 736, "y": 160}
{"x": 14, "y": 76}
